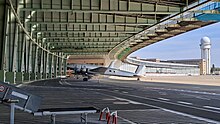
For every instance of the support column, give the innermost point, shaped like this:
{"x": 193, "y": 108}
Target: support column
{"x": 12, "y": 44}
{"x": 50, "y": 65}
{"x": 44, "y": 65}
{"x": 64, "y": 66}
{"x": 33, "y": 62}
{"x": 39, "y": 64}
{"x": 21, "y": 55}
{"x": 59, "y": 65}
{"x": 55, "y": 66}
{"x": 28, "y": 50}
{"x": 3, "y": 30}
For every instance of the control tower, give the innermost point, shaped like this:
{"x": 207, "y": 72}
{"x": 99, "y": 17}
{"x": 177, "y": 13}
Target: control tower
{"x": 205, "y": 52}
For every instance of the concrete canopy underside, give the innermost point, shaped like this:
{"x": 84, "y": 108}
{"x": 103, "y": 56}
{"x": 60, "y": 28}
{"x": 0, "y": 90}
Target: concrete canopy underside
{"x": 93, "y": 27}
{"x": 100, "y": 27}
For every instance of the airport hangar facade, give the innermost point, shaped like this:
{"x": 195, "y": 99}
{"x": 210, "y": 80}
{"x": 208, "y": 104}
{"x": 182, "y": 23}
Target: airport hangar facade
{"x": 39, "y": 36}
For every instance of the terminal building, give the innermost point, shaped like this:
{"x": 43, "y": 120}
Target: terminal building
{"x": 182, "y": 67}
{"x": 187, "y": 67}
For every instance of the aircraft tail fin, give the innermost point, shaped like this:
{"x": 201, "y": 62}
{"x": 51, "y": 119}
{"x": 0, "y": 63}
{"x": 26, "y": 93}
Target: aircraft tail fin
{"x": 140, "y": 71}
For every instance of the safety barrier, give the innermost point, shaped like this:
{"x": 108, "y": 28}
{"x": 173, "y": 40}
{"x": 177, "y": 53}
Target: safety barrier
{"x": 114, "y": 116}
{"x": 106, "y": 111}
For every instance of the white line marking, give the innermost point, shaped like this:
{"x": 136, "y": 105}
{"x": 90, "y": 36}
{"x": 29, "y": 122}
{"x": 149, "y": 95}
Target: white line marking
{"x": 187, "y": 103}
{"x": 179, "y": 113}
{"x": 128, "y": 121}
{"x": 130, "y": 101}
{"x": 186, "y": 91}
{"x": 124, "y": 92}
{"x": 60, "y": 82}
{"x": 19, "y": 85}
{"x": 136, "y": 110}
{"x": 67, "y": 83}
{"x": 203, "y": 98}
{"x": 164, "y": 99}
{"x": 121, "y": 103}
{"x": 211, "y": 107}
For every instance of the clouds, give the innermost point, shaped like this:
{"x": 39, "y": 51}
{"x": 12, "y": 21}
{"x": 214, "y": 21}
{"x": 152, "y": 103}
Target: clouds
{"x": 184, "y": 46}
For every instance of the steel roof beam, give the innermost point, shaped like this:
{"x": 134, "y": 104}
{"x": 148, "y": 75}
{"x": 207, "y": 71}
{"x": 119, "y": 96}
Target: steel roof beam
{"x": 88, "y": 31}
{"x": 87, "y": 37}
{"x": 84, "y": 50}
{"x": 170, "y": 3}
{"x": 87, "y": 53}
{"x": 102, "y": 11}
{"x": 93, "y": 23}
{"x": 87, "y": 42}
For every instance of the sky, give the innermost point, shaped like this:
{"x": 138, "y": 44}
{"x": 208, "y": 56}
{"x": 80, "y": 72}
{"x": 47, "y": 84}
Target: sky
{"x": 184, "y": 46}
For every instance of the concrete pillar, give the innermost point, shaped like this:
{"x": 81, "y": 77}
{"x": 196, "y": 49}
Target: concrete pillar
{"x": 50, "y": 63}
{"x": 10, "y": 77}
{"x": 39, "y": 76}
{"x": 59, "y": 66}
{"x": 33, "y": 76}
{"x": 55, "y": 66}
{"x": 64, "y": 66}
{"x": 19, "y": 77}
{"x": 50, "y": 75}
{"x": 44, "y": 75}
{"x": 26, "y": 76}
{"x": 2, "y": 75}
{"x": 3, "y": 30}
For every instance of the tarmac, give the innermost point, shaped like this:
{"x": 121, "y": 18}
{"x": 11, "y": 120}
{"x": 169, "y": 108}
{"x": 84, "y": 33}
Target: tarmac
{"x": 137, "y": 102}
{"x": 210, "y": 80}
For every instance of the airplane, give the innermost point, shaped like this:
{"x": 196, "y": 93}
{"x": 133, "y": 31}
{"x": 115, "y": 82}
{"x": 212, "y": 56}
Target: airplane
{"x": 87, "y": 72}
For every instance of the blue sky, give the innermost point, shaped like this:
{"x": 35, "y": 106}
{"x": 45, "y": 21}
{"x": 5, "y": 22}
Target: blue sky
{"x": 185, "y": 46}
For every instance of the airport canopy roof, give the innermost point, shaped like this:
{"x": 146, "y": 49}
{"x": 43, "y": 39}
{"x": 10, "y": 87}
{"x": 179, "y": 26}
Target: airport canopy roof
{"x": 94, "y": 27}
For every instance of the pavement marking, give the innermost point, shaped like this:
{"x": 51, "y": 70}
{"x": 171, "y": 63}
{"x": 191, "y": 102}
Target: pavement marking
{"x": 121, "y": 103}
{"x": 108, "y": 99}
{"x": 126, "y": 120}
{"x": 136, "y": 110}
{"x": 60, "y": 82}
{"x": 211, "y": 107}
{"x": 203, "y": 98}
{"x": 196, "y": 96}
{"x": 124, "y": 92}
{"x": 130, "y": 101}
{"x": 162, "y": 93}
{"x": 67, "y": 83}
{"x": 164, "y": 99}
{"x": 19, "y": 85}
{"x": 186, "y": 91}
{"x": 176, "y": 112}
{"x": 182, "y": 102}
